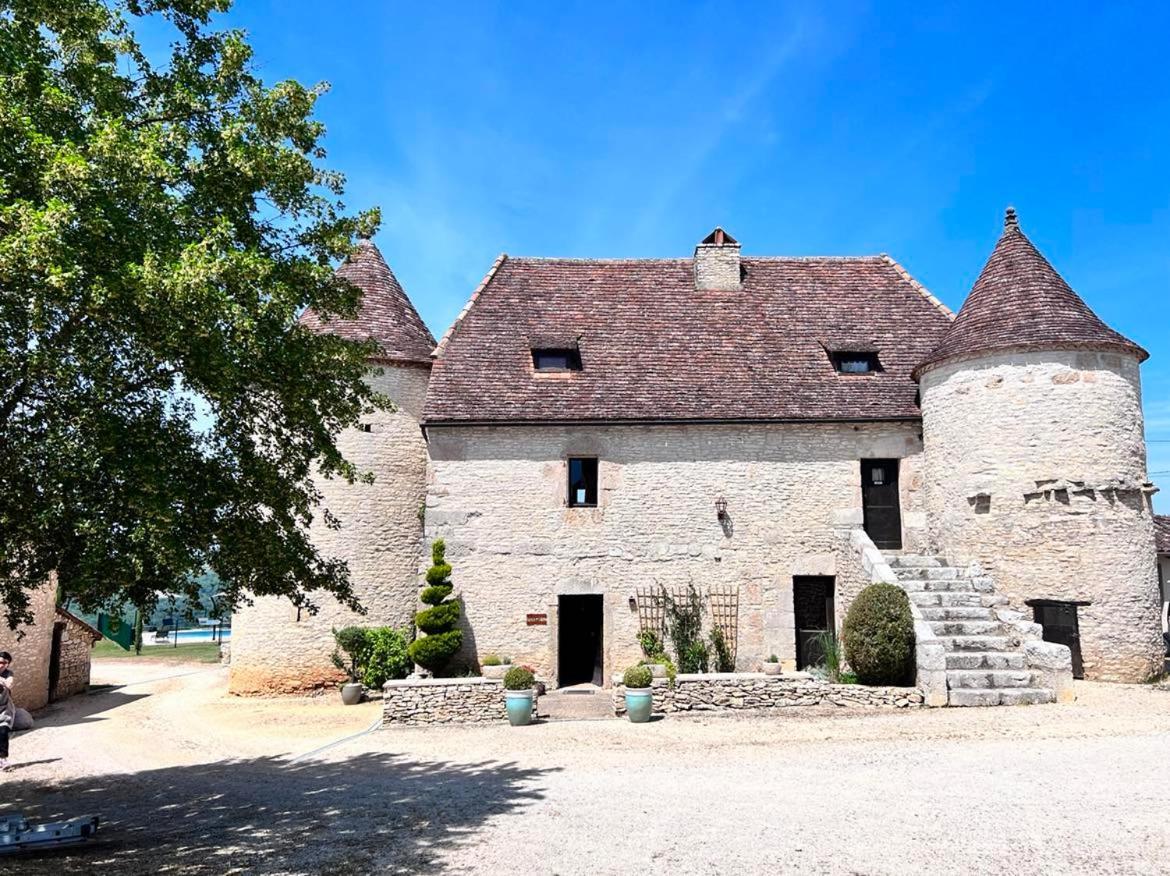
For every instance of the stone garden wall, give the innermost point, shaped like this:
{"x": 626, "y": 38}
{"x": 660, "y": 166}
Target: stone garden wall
{"x": 751, "y": 690}
{"x": 443, "y": 701}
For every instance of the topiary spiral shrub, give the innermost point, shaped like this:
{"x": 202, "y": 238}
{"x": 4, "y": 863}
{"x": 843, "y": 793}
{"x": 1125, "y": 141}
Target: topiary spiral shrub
{"x": 879, "y": 636}
{"x": 637, "y": 677}
{"x": 434, "y": 650}
{"x": 519, "y": 678}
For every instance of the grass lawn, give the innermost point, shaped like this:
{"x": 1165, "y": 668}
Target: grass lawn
{"x": 193, "y": 652}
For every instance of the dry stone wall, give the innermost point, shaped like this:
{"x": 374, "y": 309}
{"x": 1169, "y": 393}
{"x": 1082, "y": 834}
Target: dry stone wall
{"x": 74, "y": 667}
{"x": 499, "y": 498}
{"x": 275, "y": 648}
{"x": 1035, "y": 466}
{"x": 443, "y": 701}
{"x": 31, "y": 653}
{"x": 745, "y": 691}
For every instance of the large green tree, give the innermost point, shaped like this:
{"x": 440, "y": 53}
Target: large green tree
{"x": 163, "y": 221}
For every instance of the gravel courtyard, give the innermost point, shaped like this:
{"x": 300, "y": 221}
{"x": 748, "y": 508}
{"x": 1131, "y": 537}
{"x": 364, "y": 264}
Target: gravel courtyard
{"x": 189, "y": 780}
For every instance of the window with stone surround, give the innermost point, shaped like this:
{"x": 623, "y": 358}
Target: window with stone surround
{"x": 582, "y": 482}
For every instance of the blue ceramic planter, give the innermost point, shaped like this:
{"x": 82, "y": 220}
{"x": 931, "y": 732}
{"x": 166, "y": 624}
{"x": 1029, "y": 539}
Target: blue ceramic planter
{"x": 519, "y": 706}
{"x": 639, "y": 703}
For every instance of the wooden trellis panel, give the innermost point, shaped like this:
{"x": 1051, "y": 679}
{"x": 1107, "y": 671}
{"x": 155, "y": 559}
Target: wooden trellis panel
{"x": 652, "y": 611}
{"x": 724, "y": 602}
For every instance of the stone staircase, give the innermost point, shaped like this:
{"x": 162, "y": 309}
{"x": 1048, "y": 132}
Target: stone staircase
{"x": 985, "y": 660}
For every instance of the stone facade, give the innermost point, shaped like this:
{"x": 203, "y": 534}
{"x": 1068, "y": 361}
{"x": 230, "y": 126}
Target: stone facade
{"x": 717, "y": 265}
{"x": 1035, "y": 467}
{"x": 275, "y": 648}
{"x": 32, "y": 651}
{"x": 749, "y": 690}
{"x": 77, "y": 641}
{"x": 443, "y": 701}
{"x": 498, "y": 497}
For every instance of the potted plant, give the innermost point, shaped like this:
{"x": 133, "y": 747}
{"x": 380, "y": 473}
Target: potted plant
{"x": 772, "y": 665}
{"x": 495, "y": 667}
{"x": 639, "y": 696}
{"x": 519, "y": 684}
{"x": 355, "y": 643}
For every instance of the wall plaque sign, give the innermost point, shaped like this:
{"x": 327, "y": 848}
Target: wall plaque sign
{"x": 537, "y": 620}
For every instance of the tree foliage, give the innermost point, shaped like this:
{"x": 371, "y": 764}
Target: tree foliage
{"x": 163, "y": 221}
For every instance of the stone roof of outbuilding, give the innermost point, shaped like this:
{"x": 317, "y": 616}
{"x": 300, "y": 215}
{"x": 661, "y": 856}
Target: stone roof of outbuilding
{"x": 74, "y": 619}
{"x": 653, "y": 348}
{"x": 1018, "y": 303}
{"x": 385, "y": 314}
{"x": 1162, "y": 533}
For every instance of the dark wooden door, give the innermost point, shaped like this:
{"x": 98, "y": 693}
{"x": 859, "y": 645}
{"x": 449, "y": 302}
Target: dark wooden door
{"x": 579, "y": 634}
{"x": 55, "y": 659}
{"x": 1061, "y": 625}
{"x": 880, "y": 502}
{"x": 812, "y": 606}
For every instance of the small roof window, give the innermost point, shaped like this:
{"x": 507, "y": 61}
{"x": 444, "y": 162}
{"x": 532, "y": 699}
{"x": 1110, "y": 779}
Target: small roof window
{"x": 855, "y": 361}
{"x": 555, "y": 354}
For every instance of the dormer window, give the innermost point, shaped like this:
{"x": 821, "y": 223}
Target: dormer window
{"x": 855, "y": 362}
{"x": 552, "y": 359}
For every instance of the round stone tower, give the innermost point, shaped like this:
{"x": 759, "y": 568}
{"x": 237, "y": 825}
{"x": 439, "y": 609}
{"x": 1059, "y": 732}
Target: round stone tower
{"x": 1035, "y": 459}
{"x": 275, "y": 648}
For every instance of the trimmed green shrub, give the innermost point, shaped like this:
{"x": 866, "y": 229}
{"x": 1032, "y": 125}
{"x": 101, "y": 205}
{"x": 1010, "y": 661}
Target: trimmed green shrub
{"x": 491, "y": 660}
{"x": 519, "y": 678}
{"x": 772, "y": 659}
{"x": 637, "y": 676}
{"x": 387, "y": 656}
{"x": 435, "y": 650}
{"x": 353, "y": 641}
{"x": 438, "y": 619}
{"x": 879, "y": 636}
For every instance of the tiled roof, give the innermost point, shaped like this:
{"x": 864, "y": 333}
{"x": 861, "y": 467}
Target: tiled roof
{"x": 653, "y": 348}
{"x": 1020, "y": 302}
{"x": 1162, "y": 533}
{"x": 72, "y": 618}
{"x": 386, "y": 314}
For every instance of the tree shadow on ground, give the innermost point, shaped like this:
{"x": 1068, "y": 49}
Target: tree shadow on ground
{"x": 374, "y": 812}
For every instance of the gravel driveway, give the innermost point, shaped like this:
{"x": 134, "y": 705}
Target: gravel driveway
{"x": 189, "y": 780}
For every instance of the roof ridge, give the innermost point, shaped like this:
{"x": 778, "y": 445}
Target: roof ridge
{"x": 922, "y": 290}
{"x": 442, "y": 345}
{"x": 659, "y": 261}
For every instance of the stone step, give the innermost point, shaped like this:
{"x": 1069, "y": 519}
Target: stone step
{"x": 978, "y": 643}
{"x": 914, "y": 561}
{"x": 944, "y": 628}
{"x": 946, "y": 573}
{"x": 1019, "y": 696}
{"x": 990, "y": 678}
{"x": 924, "y": 599}
{"x": 962, "y": 585}
{"x": 956, "y": 613}
{"x": 985, "y": 660}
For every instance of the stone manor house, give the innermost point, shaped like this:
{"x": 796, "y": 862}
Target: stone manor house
{"x": 764, "y": 429}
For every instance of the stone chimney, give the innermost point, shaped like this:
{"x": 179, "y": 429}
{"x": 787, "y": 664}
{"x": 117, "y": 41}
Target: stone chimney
{"x": 717, "y": 262}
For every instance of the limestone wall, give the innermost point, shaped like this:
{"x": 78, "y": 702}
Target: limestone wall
{"x": 273, "y": 649}
{"x": 740, "y": 691}
{"x": 74, "y": 666}
{"x": 1035, "y": 465}
{"x": 499, "y": 498}
{"x": 31, "y": 653}
{"x": 443, "y": 701}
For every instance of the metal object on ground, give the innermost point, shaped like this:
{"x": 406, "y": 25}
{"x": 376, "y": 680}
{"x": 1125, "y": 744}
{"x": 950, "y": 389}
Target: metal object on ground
{"x": 19, "y": 835}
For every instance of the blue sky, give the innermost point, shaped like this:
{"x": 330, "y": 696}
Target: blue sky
{"x": 631, "y": 130}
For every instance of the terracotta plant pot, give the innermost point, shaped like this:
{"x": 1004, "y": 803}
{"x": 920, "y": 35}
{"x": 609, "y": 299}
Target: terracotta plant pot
{"x": 771, "y": 669}
{"x": 351, "y": 694}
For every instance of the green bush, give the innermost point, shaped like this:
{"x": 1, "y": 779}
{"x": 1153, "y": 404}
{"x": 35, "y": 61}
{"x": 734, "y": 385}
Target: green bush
{"x": 387, "y": 657}
{"x": 772, "y": 659}
{"x": 637, "y": 676}
{"x": 438, "y": 619}
{"x": 650, "y": 643}
{"x": 491, "y": 660}
{"x": 435, "y": 650}
{"x": 724, "y": 661}
{"x": 519, "y": 678}
{"x": 375, "y": 655}
{"x": 879, "y": 636}
{"x": 830, "y": 653}
{"x": 695, "y": 658}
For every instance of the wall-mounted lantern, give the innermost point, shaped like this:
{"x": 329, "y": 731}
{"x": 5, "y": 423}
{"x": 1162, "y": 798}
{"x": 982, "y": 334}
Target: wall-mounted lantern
{"x": 633, "y": 604}
{"x": 721, "y": 508}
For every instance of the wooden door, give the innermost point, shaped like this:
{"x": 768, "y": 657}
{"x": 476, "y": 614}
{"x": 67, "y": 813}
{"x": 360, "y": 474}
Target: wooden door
{"x": 880, "y": 502}
{"x": 812, "y": 608}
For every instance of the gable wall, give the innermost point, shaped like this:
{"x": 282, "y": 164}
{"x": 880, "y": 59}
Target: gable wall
{"x": 498, "y": 497}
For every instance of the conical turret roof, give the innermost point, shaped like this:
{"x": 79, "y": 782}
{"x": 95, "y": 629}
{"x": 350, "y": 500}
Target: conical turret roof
{"x": 1020, "y": 302}
{"x": 385, "y": 313}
